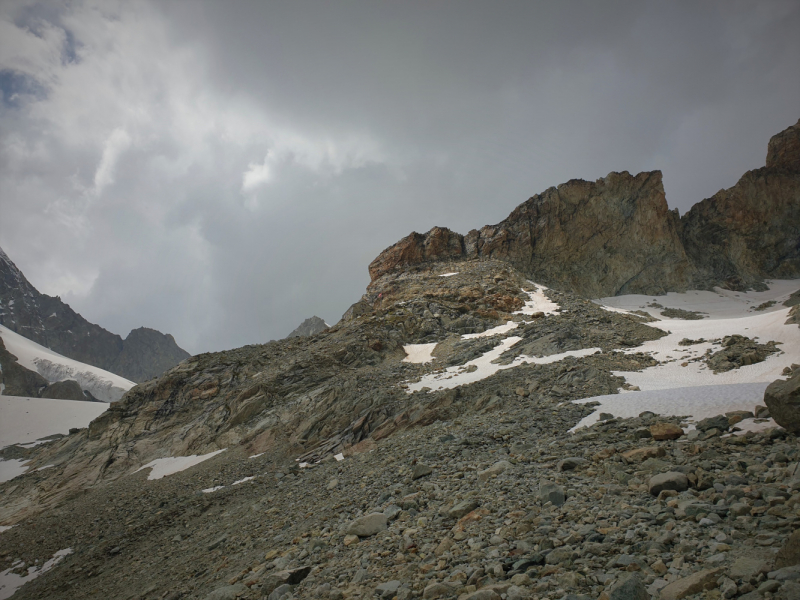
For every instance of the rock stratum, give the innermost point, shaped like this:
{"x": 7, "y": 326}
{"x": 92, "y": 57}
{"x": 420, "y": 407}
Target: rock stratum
{"x": 617, "y": 235}
{"x": 144, "y": 354}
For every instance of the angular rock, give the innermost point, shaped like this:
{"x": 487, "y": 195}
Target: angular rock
{"x": 671, "y": 480}
{"x": 228, "y": 592}
{"x": 368, "y": 525}
{"x": 388, "y": 589}
{"x": 421, "y": 470}
{"x": 570, "y": 463}
{"x": 287, "y": 577}
{"x": 789, "y": 554}
{"x": 783, "y": 401}
{"x": 495, "y": 469}
{"x": 665, "y": 431}
{"x": 462, "y": 508}
{"x": 552, "y": 492}
{"x": 693, "y": 584}
{"x": 437, "y": 590}
{"x": 629, "y": 588}
{"x": 719, "y": 422}
{"x": 747, "y": 568}
{"x": 640, "y": 454}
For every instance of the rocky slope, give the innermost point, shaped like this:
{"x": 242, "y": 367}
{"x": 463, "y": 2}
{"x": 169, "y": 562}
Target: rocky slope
{"x": 144, "y": 354}
{"x": 311, "y": 326}
{"x": 434, "y": 494}
{"x": 617, "y": 235}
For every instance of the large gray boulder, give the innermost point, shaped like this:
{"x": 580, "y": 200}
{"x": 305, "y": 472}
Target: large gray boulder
{"x": 782, "y": 397}
{"x": 368, "y": 525}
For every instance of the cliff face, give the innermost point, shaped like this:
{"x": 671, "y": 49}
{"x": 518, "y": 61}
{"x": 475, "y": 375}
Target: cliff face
{"x": 52, "y": 323}
{"x": 617, "y": 235}
{"x": 751, "y": 231}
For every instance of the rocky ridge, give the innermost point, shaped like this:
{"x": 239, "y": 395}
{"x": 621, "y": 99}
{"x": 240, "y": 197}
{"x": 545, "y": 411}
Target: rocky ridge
{"x": 617, "y": 236}
{"x": 311, "y": 326}
{"x": 474, "y": 492}
{"x": 144, "y": 354}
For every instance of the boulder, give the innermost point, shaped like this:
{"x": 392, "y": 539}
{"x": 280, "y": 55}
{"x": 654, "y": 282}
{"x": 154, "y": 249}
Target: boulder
{"x": 462, "y": 508}
{"x": 553, "y": 493}
{"x": 368, "y": 525}
{"x": 789, "y": 554}
{"x": 693, "y": 584}
{"x": 421, "y": 470}
{"x": 68, "y": 389}
{"x": 228, "y": 592}
{"x": 782, "y": 398}
{"x": 287, "y": 577}
{"x": 665, "y": 431}
{"x": 629, "y": 588}
{"x": 671, "y": 480}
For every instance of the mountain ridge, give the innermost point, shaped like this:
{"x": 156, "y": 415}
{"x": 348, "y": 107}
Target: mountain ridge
{"x": 143, "y": 354}
{"x": 617, "y": 235}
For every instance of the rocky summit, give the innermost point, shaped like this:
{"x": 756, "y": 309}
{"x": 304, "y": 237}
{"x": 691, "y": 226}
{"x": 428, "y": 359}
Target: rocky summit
{"x": 311, "y": 326}
{"x": 426, "y": 446}
{"x": 144, "y": 354}
{"x": 617, "y": 236}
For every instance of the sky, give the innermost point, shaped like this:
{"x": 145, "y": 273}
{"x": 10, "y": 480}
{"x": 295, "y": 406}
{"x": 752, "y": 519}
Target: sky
{"x": 221, "y": 171}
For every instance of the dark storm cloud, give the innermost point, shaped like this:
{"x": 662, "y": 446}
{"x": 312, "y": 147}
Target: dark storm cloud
{"x": 221, "y": 171}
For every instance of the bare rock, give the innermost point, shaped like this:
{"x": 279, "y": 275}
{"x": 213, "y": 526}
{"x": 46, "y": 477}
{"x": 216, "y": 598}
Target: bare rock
{"x": 789, "y": 554}
{"x": 368, "y": 525}
{"x": 783, "y": 401}
{"x": 665, "y": 431}
{"x": 671, "y": 480}
{"x": 693, "y": 584}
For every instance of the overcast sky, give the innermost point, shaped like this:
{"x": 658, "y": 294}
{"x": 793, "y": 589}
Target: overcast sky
{"x": 222, "y": 170}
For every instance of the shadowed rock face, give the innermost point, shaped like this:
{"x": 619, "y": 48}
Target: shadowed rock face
{"x": 48, "y": 321}
{"x": 617, "y": 236}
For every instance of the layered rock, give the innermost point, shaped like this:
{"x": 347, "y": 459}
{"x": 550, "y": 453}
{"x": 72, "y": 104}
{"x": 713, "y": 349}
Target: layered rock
{"x": 617, "y": 236}
{"x": 48, "y": 321}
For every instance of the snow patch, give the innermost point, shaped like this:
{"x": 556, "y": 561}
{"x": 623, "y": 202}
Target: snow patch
{"x": 26, "y": 420}
{"x": 419, "y": 353}
{"x": 490, "y": 332}
{"x": 12, "y": 468}
{"x": 448, "y": 274}
{"x": 11, "y": 582}
{"x": 698, "y": 402}
{"x": 538, "y": 302}
{"x": 161, "y": 467}
{"x": 5, "y": 528}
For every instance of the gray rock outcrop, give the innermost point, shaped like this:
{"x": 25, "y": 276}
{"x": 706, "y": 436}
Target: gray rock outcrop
{"x": 782, "y": 398}
{"x": 311, "y": 326}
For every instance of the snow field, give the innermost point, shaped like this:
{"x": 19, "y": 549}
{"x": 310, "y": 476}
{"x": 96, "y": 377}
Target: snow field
{"x": 54, "y": 367}
{"x": 25, "y": 420}
{"x": 419, "y": 353}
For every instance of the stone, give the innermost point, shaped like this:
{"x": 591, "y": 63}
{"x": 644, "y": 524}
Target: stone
{"x": 559, "y": 555}
{"x": 437, "y": 590}
{"x": 228, "y": 592}
{"x": 665, "y": 431}
{"x": 553, "y": 493}
{"x": 746, "y": 568}
{"x": 671, "y": 480}
{"x": 388, "y": 589}
{"x": 495, "y": 469}
{"x": 783, "y": 401}
{"x": 286, "y": 577}
{"x": 693, "y": 584}
{"x": 640, "y": 454}
{"x": 570, "y": 463}
{"x": 483, "y": 595}
{"x": 280, "y": 592}
{"x": 421, "y": 470}
{"x": 719, "y": 422}
{"x": 629, "y": 588}
{"x": 789, "y": 554}
{"x": 462, "y": 508}
{"x": 368, "y": 525}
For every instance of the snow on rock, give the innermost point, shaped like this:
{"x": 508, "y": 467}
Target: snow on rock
{"x": 698, "y": 402}
{"x": 483, "y": 367}
{"x": 103, "y": 385}
{"x": 12, "y": 468}
{"x": 25, "y": 420}
{"x": 493, "y": 331}
{"x": 419, "y": 353}
{"x": 5, "y": 528}
{"x": 538, "y": 302}
{"x": 448, "y": 274}
{"x": 11, "y": 582}
{"x": 161, "y": 467}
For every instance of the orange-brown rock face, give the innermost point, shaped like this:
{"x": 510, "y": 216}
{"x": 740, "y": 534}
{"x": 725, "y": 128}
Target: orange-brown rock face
{"x": 617, "y": 236}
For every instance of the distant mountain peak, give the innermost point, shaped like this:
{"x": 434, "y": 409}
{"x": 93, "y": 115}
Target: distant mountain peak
{"x": 311, "y": 326}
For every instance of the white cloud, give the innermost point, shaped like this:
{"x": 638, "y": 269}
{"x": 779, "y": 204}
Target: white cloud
{"x": 116, "y": 144}
{"x": 256, "y": 175}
